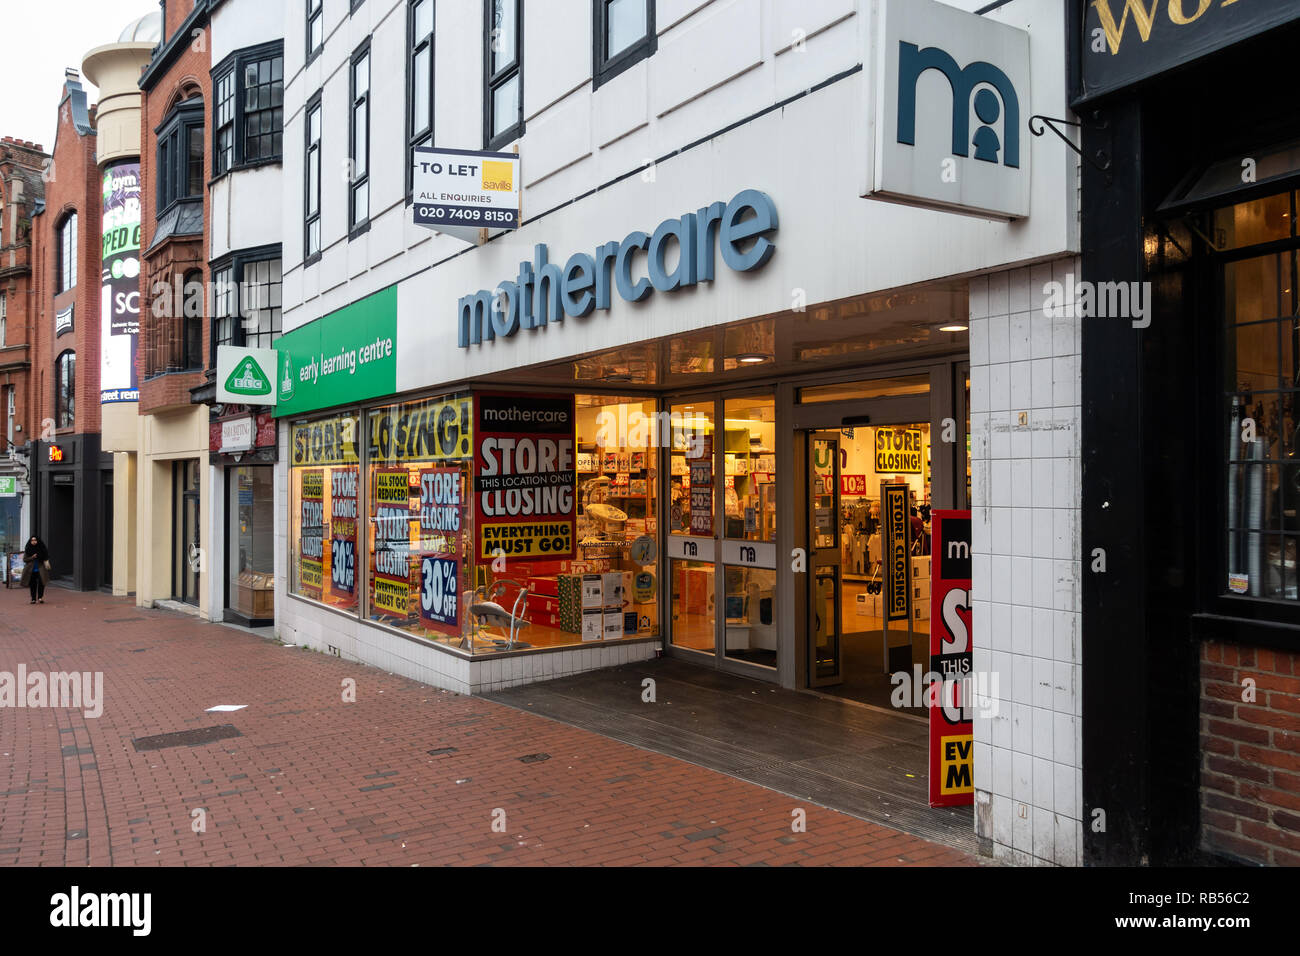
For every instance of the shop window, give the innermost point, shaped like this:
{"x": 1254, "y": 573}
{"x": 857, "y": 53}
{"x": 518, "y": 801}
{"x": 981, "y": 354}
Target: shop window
{"x": 1262, "y": 396}
{"x": 250, "y": 511}
{"x": 749, "y": 468}
{"x": 608, "y": 589}
{"x": 503, "y": 99}
{"x": 65, "y": 389}
{"x": 693, "y": 605}
{"x": 419, "y": 539}
{"x": 691, "y": 465}
{"x": 750, "y": 624}
{"x": 419, "y": 99}
{"x": 624, "y": 32}
{"x": 324, "y": 489}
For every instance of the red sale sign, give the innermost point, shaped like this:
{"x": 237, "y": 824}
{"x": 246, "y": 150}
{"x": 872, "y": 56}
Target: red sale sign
{"x": 853, "y": 485}
{"x": 951, "y": 730}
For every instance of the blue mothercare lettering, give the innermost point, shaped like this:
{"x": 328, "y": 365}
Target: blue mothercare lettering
{"x": 545, "y": 292}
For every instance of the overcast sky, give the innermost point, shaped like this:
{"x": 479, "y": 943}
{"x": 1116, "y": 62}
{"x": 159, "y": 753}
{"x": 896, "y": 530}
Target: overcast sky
{"x": 40, "y": 39}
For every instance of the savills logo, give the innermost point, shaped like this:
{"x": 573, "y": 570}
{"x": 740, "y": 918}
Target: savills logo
{"x": 970, "y": 82}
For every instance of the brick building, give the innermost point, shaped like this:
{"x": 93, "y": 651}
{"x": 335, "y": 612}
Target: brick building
{"x": 71, "y": 477}
{"x": 176, "y": 167}
{"x": 22, "y": 194}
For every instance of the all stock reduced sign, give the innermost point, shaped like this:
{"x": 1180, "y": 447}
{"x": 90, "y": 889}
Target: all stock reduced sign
{"x": 524, "y": 476}
{"x": 951, "y": 728}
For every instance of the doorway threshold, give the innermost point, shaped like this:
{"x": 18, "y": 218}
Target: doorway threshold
{"x": 857, "y": 759}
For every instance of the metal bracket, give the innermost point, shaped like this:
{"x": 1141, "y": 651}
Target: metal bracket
{"x": 1101, "y": 162}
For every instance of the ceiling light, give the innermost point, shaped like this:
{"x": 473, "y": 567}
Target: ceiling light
{"x": 953, "y": 328}
{"x": 751, "y": 358}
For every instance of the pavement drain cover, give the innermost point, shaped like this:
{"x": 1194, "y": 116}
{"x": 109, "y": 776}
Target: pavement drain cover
{"x": 534, "y": 758}
{"x": 186, "y": 738}
{"x": 442, "y": 750}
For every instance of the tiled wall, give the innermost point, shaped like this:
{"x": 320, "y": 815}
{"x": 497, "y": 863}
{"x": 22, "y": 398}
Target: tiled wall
{"x": 1026, "y": 569}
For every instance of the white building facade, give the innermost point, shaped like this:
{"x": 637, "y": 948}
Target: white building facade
{"x": 776, "y": 239}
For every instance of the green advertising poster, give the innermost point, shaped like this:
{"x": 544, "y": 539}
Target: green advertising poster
{"x": 8, "y": 486}
{"x": 344, "y": 357}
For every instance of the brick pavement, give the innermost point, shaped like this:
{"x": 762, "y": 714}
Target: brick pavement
{"x": 407, "y": 775}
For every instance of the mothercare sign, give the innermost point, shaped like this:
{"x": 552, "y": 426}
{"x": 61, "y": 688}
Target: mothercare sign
{"x": 346, "y": 356}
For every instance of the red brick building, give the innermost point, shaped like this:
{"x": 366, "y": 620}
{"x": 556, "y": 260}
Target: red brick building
{"x": 72, "y": 478}
{"x": 22, "y": 195}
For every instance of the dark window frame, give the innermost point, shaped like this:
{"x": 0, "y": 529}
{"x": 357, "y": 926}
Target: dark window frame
{"x": 237, "y": 262}
{"x": 66, "y": 258}
{"x": 190, "y": 341}
{"x": 172, "y": 140}
{"x": 312, "y": 256}
{"x": 313, "y": 52}
{"x": 492, "y": 81}
{"x": 604, "y": 67}
{"x": 65, "y": 415}
{"x": 233, "y": 68}
{"x": 414, "y": 45}
{"x": 358, "y": 226}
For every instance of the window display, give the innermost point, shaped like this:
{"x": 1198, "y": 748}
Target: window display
{"x": 749, "y": 444}
{"x": 420, "y": 526}
{"x": 691, "y": 466}
{"x": 323, "y": 483}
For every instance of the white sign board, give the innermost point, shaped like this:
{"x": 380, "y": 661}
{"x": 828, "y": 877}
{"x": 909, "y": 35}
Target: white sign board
{"x": 460, "y": 191}
{"x": 246, "y": 376}
{"x": 951, "y": 110}
{"x": 237, "y": 435}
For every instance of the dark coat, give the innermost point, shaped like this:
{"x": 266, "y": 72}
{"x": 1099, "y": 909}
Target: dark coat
{"x": 36, "y": 557}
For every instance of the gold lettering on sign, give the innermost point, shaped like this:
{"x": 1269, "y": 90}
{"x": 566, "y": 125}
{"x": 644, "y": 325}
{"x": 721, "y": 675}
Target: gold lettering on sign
{"x": 1144, "y": 16}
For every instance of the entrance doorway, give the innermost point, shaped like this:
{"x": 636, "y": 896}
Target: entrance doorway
{"x": 250, "y": 544}
{"x": 187, "y": 555}
{"x": 853, "y": 644}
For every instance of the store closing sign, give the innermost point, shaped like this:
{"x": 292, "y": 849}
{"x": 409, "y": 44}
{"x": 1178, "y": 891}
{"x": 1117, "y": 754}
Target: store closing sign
{"x": 951, "y": 729}
{"x": 343, "y": 531}
{"x": 524, "y": 467}
{"x": 898, "y": 451}
{"x": 898, "y": 561}
{"x": 311, "y": 547}
{"x": 441, "y": 520}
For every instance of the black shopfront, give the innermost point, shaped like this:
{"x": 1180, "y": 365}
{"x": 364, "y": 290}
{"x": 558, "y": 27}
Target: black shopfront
{"x": 1191, "y": 400}
{"x": 72, "y": 509}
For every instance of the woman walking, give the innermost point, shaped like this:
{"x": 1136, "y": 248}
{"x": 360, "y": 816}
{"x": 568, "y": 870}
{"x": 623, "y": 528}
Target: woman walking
{"x": 36, "y": 568}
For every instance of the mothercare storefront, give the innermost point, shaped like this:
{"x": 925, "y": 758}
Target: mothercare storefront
{"x": 661, "y": 418}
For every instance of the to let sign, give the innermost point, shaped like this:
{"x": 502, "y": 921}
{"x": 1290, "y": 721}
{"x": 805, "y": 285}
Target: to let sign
{"x": 460, "y": 191}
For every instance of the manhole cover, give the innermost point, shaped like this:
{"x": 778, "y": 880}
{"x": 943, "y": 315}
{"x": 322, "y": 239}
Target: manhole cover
{"x": 534, "y": 758}
{"x": 187, "y": 738}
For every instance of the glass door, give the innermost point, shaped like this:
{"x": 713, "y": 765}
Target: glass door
{"x": 825, "y": 559}
{"x": 187, "y": 556}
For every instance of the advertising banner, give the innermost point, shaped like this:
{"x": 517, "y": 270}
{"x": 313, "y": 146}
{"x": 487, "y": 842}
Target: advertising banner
{"x": 433, "y": 430}
{"x": 328, "y": 441}
{"x": 343, "y": 531}
{"x": 524, "y": 475}
{"x": 897, "y": 555}
{"x": 951, "y": 732}
{"x": 392, "y": 513}
{"x": 311, "y": 547}
{"x": 346, "y": 356}
{"x": 442, "y": 517}
{"x": 899, "y": 451}
{"x": 119, "y": 309}
{"x": 853, "y": 485}
{"x": 460, "y": 191}
{"x": 701, "y": 486}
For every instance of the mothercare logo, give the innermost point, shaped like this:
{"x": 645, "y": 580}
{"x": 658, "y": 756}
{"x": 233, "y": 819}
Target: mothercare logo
{"x": 76, "y": 909}
{"x": 546, "y": 292}
{"x": 983, "y": 84}
{"x": 64, "y": 689}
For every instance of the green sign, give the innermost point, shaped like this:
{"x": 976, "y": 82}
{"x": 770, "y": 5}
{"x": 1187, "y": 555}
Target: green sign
{"x": 344, "y": 357}
{"x": 247, "y": 379}
{"x": 8, "y": 486}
